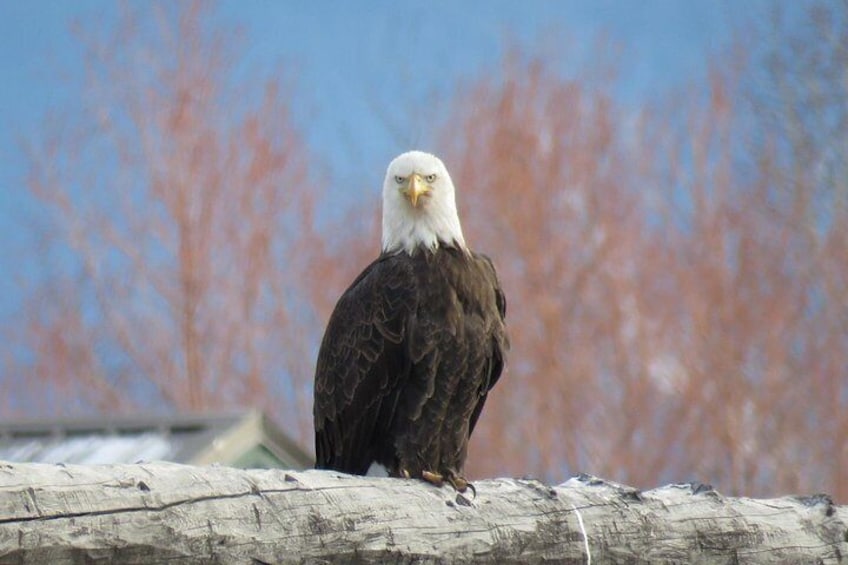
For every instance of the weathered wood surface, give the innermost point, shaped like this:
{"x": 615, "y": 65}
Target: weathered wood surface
{"x": 160, "y": 512}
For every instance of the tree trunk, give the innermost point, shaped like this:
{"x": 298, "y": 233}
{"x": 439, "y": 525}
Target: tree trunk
{"x": 163, "y": 512}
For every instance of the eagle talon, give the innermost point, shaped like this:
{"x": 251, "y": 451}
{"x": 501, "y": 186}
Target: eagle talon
{"x": 464, "y": 487}
{"x": 460, "y": 484}
{"x": 433, "y": 478}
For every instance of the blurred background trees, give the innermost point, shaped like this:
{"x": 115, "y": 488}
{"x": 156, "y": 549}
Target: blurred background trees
{"x": 677, "y": 273}
{"x": 182, "y": 204}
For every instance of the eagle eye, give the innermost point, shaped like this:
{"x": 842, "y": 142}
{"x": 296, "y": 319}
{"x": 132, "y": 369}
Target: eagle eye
{"x": 430, "y": 178}
{"x": 399, "y": 179}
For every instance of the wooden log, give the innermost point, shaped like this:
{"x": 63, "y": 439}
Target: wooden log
{"x": 169, "y": 513}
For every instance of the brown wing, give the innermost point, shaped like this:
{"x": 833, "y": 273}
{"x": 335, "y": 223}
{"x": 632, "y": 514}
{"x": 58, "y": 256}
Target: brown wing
{"x": 361, "y": 367}
{"x": 500, "y": 341}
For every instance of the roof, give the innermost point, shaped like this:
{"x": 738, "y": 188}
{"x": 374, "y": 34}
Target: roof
{"x": 246, "y": 439}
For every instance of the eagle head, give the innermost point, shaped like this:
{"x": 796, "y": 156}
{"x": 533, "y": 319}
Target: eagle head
{"x": 419, "y": 205}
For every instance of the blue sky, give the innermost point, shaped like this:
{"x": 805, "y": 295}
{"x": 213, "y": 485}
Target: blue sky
{"x": 358, "y": 67}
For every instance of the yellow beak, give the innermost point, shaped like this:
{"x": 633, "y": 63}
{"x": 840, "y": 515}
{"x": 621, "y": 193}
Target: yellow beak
{"x": 415, "y": 189}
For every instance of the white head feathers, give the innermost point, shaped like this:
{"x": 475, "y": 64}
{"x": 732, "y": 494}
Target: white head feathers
{"x": 419, "y": 205}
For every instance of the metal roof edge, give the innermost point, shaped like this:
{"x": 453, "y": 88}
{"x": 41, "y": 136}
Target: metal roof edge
{"x": 255, "y": 428}
{"x": 109, "y": 423}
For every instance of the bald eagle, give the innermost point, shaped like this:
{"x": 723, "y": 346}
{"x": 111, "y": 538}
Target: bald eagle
{"x": 416, "y": 342}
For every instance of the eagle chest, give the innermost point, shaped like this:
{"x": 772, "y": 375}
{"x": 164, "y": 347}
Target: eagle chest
{"x": 449, "y": 337}
{"x": 449, "y": 306}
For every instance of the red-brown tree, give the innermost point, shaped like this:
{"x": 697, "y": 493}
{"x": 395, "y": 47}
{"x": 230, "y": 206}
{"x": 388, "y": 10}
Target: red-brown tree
{"x": 677, "y": 296}
{"x": 182, "y": 204}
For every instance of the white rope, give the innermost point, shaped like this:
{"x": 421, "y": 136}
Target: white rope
{"x": 585, "y": 537}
